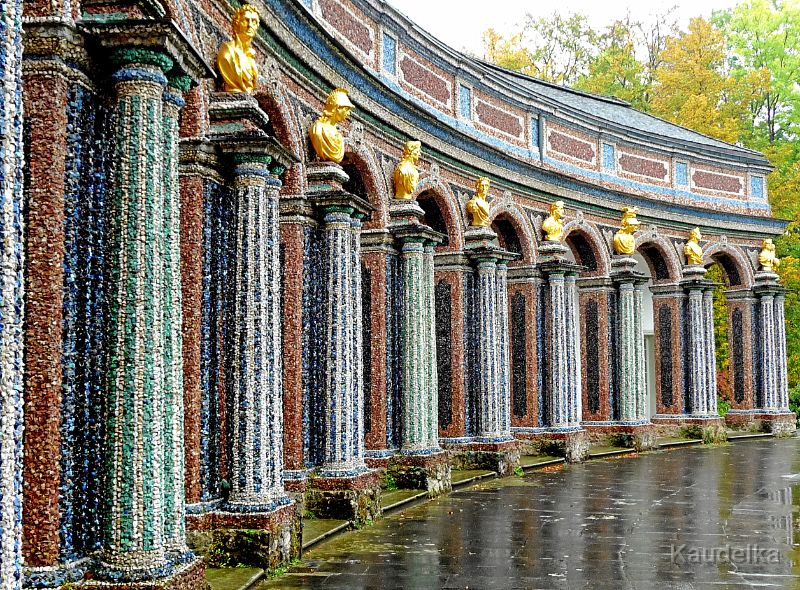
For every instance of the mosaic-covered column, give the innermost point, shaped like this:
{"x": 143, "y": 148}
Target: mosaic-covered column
{"x": 561, "y": 398}
{"x": 772, "y": 406}
{"x": 139, "y": 369}
{"x": 11, "y": 304}
{"x": 631, "y": 383}
{"x": 420, "y": 423}
{"x": 341, "y": 214}
{"x": 491, "y": 331}
{"x": 174, "y": 459}
{"x": 710, "y": 352}
{"x": 564, "y": 387}
{"x": 255, "y": 367}
{"x": 697, "y": 350}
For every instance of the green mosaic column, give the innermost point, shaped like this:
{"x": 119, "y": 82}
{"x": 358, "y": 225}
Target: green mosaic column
{"x": 417, "y": 402}
{"x": 139, "y": 320}
{"x": 174, "y": 496}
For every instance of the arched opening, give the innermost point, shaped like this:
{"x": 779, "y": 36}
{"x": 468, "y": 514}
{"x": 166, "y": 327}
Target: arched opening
{"x": 660, "y": 325}
{"x": 522, "y": 328}
{"x": 596, "y": 308}
{"x": 434, "y": 217}
{"x": 733, "y": 316}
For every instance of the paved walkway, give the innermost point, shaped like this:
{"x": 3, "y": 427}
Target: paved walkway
{"x": 688, "y": 518}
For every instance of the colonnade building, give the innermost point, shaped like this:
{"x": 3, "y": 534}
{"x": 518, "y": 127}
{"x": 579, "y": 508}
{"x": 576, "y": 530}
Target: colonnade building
{"x": 224, "y": 306}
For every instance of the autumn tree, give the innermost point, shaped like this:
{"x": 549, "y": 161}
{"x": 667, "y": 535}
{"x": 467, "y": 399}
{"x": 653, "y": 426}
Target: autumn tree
{"x": 690, "y": 86}
{"x": 616, "y": 71}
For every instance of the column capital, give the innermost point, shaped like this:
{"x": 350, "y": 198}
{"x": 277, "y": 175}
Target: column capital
{"x": 416, "y": 232}
{"x": 130, "y": 40}
{"x": 560, "y": 267}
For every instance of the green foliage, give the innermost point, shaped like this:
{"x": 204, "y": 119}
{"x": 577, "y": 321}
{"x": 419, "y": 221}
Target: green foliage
{"x": 794, "y": 401}
{"x": 691, "y": 432}
{"x": 518, "y": 471}
{"x": 723, "y": 407}
{"x": 389, "y": 483}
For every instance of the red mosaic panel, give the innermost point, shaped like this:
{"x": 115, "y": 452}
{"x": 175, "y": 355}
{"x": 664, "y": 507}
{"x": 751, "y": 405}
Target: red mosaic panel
{"x": 717, "y": 182}
{"x": 422, "y": 78}
{"x": 499, "y": 119}
{"x": 574, "y": 148}
{"x": 347, "y": 24}
{"x": 643, "y": 167}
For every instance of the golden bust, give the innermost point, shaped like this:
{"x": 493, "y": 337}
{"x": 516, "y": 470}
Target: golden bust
{"x": 766, "y": 258}
{"x": 477, "y": 206}
{"x": 406, "y": 175}
{"x": 552, "y": 226}
{"x": 325, "y": 137}
{"x": 235, "y": 58}
{"x": 624, "y": 242}
{"x": 692, "y": 249}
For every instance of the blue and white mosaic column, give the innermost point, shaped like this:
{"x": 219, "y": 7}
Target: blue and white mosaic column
{"x": 711, "y": 353}
{"x": 174, "y": 496}
{"x": 503, "y": 349}
{"x": 781, "y": 381}
{"x": 564, "y": 388}
{"x": 11, "y": 304}
{"x": 344, "y": 420}
{"x": 698, "y": 353}
{"x": 256, "y": 383}
{"x": 769, "y": 362}
{"x": 433, "y": 374}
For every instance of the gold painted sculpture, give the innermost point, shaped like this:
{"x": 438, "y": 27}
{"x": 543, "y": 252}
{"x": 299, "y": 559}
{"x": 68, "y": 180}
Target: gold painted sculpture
{"x": 552, "y": 226}
{"x": 406, "y": 175}
{"x": 477, "y": 206}
{"x": 766, "y": 258}
{"x": 325, "y": 137}
{"x": 235, "y": 58}
{"x": 624, "y": 242}
{"x": 692, "y": 249}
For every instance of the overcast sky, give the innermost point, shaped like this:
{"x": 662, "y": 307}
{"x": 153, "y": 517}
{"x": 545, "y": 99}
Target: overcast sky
{"x": 460, "y": 23}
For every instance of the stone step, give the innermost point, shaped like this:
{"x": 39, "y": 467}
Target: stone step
{"x": 318, "y": 529}
{"x": 233, "y": 578}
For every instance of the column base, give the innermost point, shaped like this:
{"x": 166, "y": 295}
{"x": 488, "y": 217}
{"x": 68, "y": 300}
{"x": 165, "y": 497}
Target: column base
{"x": 187, "y": 576}
{"x": 356, "y": 498}
{"x": 422, "y": 472}
{"x": 571, "y": 443}
{"x": 379, "y": 458}
{"x": 711, "y": 428}
{"x": 636, "y": 435}
{"x": 502, "y": 457}
{"x": 258, "y": 539}
{"x": 779, "y": 423}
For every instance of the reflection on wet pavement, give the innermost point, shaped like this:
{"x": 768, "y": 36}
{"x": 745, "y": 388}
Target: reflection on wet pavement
{"x": 689, "y": 518}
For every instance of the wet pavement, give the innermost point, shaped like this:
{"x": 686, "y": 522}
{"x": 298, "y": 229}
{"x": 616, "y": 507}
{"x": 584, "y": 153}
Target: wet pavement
{"x": 720, "y": 517}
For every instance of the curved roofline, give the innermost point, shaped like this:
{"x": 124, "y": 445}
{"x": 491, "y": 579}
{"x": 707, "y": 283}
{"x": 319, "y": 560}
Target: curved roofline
{"x": 333, "y": 63}
{"x": 382, "y": 8}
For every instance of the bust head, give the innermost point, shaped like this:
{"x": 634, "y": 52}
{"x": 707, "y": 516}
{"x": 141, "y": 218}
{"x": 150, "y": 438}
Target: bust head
{"x": 245, "y": 23}
{"x": 337, "y": 106}
{"x": 482, "y": 187}
{"x": 768, "y": 245}
{"x": 629, "y": 221}
{"x": 412, "y": 151}
{"x": 557, "y": 210}
{"x": 695, "y": 235}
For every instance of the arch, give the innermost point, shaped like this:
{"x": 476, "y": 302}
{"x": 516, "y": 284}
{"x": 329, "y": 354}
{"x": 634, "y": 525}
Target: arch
{"x": 521, "y": 226}
{"x": 273, "y": 100}
{"x": 661, "y": 258}
{"x": 735, "y": 263}
{"x": 360, "y": 158}
{"x": 588, "y": 246}
{"x": 448, "y": 206}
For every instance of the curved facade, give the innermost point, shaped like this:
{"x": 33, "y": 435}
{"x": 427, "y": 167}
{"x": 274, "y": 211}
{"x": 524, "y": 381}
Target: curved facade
{"x": 222, "y": 331}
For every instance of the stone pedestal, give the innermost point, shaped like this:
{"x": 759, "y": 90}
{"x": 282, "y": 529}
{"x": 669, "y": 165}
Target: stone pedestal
{"x": 343, "y": 485}
{"x": 422, "y": 472}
